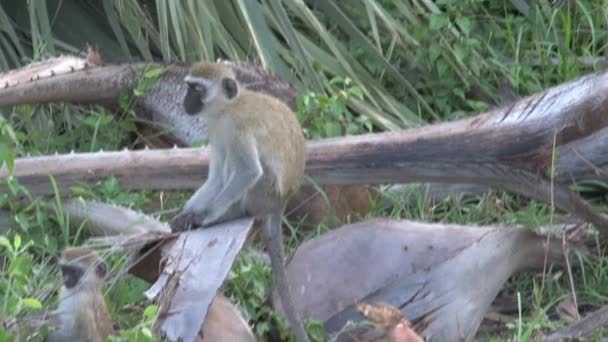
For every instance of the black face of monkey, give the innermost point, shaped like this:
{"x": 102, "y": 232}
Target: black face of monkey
{"x": 71, "y": 275}
{"x": 193, "y": 102}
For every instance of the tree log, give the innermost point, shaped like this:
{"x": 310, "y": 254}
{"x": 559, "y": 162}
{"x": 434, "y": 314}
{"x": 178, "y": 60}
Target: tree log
{"x": 442, "y": 277}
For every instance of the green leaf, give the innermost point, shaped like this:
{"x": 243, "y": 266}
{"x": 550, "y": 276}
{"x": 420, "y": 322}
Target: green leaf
{"x": 262, "y": 36}
{"x": 437, "y": 21}
{"x": 332, "y": 129}
{"x": 150, "y": 311}
{"x": 21, "y": 265}
{"x": 465, "y": 24}
{"x": 4, "y": 152}
{"x": 147, "y": 333}
{"x": 356, "y": 92}
{"x": 17, "y": 241}
{"x": 153, "y": 72}
{"x": 32, "y": 303}
{"x": 338, "y": 107}
{"x": 6, "y": 243}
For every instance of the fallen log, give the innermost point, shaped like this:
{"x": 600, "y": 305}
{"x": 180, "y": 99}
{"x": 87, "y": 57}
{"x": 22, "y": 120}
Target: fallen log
{"x": 370, "y": 159}
{"x": 89, "y": 81}
{"x": 442, "y": 277}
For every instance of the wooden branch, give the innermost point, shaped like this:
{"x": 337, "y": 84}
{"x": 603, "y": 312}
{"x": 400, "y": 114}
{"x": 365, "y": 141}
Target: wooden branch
{"x": 195, "y": 268}
{"x": 442, "y": 277}
{"x": 339, "y": 161}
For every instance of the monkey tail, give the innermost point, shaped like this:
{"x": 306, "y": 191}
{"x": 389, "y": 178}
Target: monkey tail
{"x": 274, "y": 237}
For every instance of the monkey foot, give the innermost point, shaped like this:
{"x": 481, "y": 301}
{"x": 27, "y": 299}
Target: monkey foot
{"x": 184, "y": 221}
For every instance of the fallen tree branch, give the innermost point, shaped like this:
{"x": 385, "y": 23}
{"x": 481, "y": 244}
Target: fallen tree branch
{"x": 442, "y": 277}
{"x": 339, "y": 269}
{"x": 371, "y": 159}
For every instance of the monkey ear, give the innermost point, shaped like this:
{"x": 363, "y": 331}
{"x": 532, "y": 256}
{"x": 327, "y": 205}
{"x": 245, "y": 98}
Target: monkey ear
{"x": 230, "y": 87}
{"x": 102, "y": 269}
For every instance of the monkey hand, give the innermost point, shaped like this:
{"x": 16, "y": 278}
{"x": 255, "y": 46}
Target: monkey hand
{"x": 184, "y": 221}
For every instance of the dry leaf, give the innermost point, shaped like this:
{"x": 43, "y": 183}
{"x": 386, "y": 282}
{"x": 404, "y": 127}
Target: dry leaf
{"x": 568, "y": 311}
{"x": 389, "y": 319}
{"x": 382, "y": 315}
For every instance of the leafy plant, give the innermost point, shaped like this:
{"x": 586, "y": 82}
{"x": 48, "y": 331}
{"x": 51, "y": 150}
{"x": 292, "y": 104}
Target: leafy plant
{"x": 327, "y": 116}
{"x": 249, "y": 286}
{"x": 15, "y": 281}
{"x": 141, "y": 332}
{"x": 7, "y": 140}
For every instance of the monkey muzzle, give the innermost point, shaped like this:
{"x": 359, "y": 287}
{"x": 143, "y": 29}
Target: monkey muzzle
{"x": 71, "y": 275}
{"x": 193, "y": 101}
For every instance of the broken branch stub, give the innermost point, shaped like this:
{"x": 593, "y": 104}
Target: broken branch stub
{"x": 442, "y": 277}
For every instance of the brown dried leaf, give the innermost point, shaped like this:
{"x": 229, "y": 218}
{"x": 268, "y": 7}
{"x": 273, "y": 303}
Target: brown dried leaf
{"x": 402, "y": 332}
{"x": 382, "y": 315}
{"x": 568, "y": 311}
{"x": 389, "y": 319}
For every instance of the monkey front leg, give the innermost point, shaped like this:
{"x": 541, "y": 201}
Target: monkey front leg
{"x": 197, "y": 205}
{"x": 222, "y": 207}
{"x": 216, "y": 199}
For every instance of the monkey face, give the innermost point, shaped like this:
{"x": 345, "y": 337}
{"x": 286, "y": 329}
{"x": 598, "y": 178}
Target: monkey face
{"x": 71, "y": 274}
{"x": 193, "y": 102}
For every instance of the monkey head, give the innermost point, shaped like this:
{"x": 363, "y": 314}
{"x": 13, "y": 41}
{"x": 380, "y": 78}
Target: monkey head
{"x": 81, "y": 266}
{"x": 210, "y": 87}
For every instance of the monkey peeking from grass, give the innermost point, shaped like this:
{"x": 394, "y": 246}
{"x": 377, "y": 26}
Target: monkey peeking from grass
{"x": 82, "y": 312}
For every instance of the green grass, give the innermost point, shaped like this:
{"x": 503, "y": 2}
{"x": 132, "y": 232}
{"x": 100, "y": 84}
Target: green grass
{"x": 409, "y": 63}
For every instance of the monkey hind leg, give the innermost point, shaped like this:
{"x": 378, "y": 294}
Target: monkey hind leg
{"x": 273, "y": 238}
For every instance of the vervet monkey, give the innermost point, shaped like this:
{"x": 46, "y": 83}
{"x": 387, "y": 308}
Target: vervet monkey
{"x": 83, "y": 315}
{"x": 258, "y": 155}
